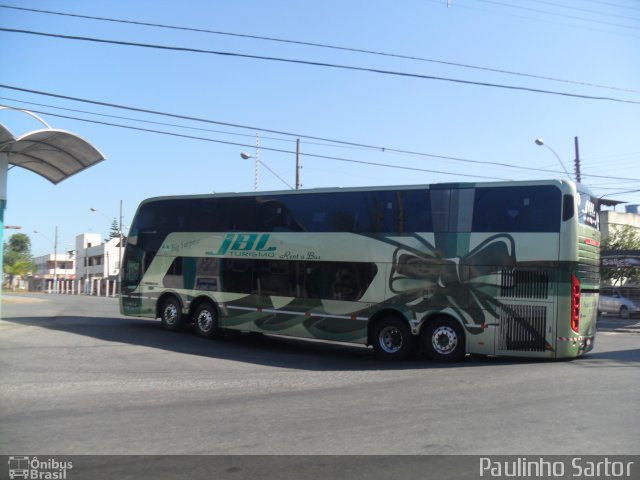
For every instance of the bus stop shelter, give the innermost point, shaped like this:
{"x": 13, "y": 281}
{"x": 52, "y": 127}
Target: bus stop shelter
{"x": 51, "y": 153}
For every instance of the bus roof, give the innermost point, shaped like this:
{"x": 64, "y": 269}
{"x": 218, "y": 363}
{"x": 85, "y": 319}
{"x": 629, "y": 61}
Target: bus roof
{"x": 564, "y": 185}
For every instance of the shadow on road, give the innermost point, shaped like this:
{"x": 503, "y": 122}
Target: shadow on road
{"x": 630, "y": 356}
{"x": 277, "y": 351}
{"x": 260, "y": 349}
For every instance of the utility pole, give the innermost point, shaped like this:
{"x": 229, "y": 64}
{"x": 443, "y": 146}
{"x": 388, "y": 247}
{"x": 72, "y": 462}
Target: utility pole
{"x": 257, "y": 159}
{"x": 577, "y": 161}
{"x": 297, "y": 164}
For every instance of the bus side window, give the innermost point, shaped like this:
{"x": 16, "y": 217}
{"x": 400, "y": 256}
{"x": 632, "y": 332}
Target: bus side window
{"x": 346, "y": 284}
{"x": 173, "y": 278}
{"x": 148, "y": 258}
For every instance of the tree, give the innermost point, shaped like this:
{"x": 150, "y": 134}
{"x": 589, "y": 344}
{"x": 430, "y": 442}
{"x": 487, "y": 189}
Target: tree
{"x": 20, "y": 243}
{"x": 620, "y": 241}
{"x": 115, "y": 230}
{"x": 20, "y": 267}
{"x": 16, "y": 258}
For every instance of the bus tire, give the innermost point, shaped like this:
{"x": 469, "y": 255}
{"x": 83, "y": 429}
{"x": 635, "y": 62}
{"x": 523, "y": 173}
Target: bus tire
{"x": 171, "y": 314}
{"x": 443, "y": 340}
{"x": 392, "y": 339}
{"x": 205, "y": 320}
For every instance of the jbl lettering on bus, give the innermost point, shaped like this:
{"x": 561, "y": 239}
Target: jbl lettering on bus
{"x": 246, "y": 245}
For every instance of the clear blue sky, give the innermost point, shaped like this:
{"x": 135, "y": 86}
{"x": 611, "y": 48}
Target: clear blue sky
{"x": 589, "y": 41}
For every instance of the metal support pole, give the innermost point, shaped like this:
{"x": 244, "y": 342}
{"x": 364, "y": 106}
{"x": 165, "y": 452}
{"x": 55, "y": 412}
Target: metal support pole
{"x": 4, "y": 171}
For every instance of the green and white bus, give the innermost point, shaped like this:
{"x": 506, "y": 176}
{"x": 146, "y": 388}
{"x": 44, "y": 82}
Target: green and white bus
{"x": 504, "y": 268}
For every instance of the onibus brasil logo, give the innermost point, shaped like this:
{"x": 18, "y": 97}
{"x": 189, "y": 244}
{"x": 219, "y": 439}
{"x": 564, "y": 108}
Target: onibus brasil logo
{"x": 36, "y": 469}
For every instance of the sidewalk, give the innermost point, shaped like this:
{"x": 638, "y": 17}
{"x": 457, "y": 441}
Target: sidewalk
{"x": 8, "y": 298}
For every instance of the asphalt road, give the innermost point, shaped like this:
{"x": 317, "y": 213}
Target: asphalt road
{"x": 78, "y": 378}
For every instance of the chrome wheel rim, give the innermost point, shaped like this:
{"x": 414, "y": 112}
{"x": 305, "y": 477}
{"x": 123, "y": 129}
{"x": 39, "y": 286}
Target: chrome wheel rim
{"x": 170, "y": 314}
{"x": 205, "y": 321}
{"x": 390, "y": 339}
{"x": 444, "y": 340}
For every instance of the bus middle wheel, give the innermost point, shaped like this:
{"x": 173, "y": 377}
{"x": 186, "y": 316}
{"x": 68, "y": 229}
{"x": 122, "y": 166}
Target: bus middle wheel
{"x": 205, "y": 320}
{"x": 392, "y": 339}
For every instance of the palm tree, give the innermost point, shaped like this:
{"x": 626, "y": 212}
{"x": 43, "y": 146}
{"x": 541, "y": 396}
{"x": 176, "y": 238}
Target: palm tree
{"x": 20, "y": 267}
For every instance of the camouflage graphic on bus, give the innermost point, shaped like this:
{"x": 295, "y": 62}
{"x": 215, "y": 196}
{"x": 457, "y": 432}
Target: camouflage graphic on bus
{"x": 487, "y": 289}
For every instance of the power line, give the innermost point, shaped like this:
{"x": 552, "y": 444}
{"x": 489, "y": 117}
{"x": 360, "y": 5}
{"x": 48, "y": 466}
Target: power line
{"x": 319, "y": 64}
{"x": 186, "y": 117}
{"x": 585, "y": 10}
{"x": 332, "y": 143}
{"x": 320, "y": 45}
{"x": 313, "y": 155}
{"x": 537, "y": 19}
{"x": 280, "y": 132}
{"x": 166, "y": 124}
{"x": 620, "y": 193}
{"x": 617, "y": 5}
{"x": 563, "y": 15}
{"x": 328, "y": 143}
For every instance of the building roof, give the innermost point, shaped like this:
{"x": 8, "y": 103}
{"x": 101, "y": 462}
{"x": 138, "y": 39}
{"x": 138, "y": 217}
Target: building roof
{"x": 609, "y": 203}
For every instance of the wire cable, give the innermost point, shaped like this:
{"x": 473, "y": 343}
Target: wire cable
{"x": 320, "y": 64}
{"x": 292, "y": 134}
{"x": 585, "y": 10}
{"x": 313, "y": 155}
{"x": 341, "y": 158}
{"x": 562, "y": 15}
{"x": 320, "y": 45}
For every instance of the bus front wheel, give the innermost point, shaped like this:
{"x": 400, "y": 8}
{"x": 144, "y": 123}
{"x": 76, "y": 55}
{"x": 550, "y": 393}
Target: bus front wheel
{"x": 205, "y": 319}
{"x": 171, "y": 314}
{"x": 443, "y": 340}
{"x": 392, "y": 339}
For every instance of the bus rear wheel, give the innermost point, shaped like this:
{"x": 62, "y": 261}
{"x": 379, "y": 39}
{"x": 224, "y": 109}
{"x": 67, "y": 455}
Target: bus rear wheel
{"x": 443, "y": 340}
{"x": 171, "y": 314}
{"x": 205, "y": 320}
{"x": 392, "y": 339}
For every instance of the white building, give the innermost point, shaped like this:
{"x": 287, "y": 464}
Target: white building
{"x": 93, "y": 267}
{"x": 95, "y": 259}
{"x": 611, "y": 220}
{"x": 60, "y": 266}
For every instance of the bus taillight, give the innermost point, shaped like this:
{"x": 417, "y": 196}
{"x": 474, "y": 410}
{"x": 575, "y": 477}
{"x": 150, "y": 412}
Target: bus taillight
{"x": 575, "y": 304}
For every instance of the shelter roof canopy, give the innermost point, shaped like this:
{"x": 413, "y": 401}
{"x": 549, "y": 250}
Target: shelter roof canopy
{"x": 54, "y": 154}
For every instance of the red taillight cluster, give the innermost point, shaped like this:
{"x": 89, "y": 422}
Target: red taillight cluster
{"x": 575, "y": 304}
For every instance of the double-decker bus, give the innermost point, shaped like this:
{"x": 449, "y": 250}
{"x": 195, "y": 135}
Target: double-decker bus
{"x": 503, "y": 268}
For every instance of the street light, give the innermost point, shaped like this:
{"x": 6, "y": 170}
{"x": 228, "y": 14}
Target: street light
{"x": 55, "y": 257}
{"x": 98, "y": 211}
{"x": 541, "y": 143}
{"x": 247, "y": 156}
